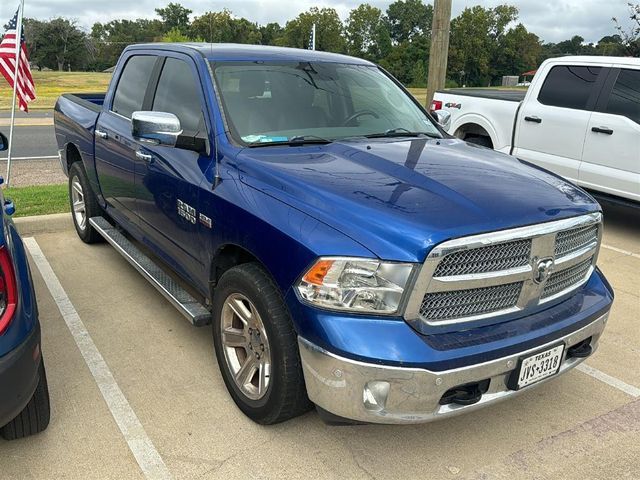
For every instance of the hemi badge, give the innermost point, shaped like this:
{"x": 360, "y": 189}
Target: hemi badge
{"x": 204, "y": 220}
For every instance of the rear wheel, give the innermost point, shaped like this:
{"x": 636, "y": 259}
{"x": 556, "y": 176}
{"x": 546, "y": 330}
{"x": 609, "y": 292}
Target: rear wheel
{"x": 256, "y": 346}
{"x": 35, "y": 416}
{"x": 84, "y": 204}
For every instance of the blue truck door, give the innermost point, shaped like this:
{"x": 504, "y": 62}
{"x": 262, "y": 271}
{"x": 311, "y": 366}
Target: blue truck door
{"x": 167, "y": 179}
{"x": 115, "y": 148}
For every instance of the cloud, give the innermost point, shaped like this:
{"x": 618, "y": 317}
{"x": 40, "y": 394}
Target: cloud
{"x": 552, "y": 21}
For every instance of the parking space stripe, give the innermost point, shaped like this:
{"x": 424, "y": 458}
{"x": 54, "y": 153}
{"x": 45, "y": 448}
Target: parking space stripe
{"x": 609, "y": 380}
{"x": 132, "y": 430}
{"x": 619, "y": 250}
{"x": 45, "y": 157}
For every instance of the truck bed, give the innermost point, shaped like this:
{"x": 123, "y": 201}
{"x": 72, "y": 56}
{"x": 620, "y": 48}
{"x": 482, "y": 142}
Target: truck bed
{"x": 490, "y": 93}
{"x": 92, "y": 101}
{"x": 75, "y": 116}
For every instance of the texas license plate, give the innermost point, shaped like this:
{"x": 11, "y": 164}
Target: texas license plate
{"x": 539, "y": 366}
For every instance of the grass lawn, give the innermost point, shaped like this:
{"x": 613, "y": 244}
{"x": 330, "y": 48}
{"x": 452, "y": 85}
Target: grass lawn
{"x": 50, "y": 85}
{"x": 38, "y": 200}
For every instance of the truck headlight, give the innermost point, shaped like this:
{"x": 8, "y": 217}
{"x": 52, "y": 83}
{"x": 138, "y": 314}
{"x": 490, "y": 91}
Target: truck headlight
{"x": 355, "y": 284}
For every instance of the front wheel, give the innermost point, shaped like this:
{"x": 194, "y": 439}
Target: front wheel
{"x": 256, "y": 346}
{"x": 84, "y": 204}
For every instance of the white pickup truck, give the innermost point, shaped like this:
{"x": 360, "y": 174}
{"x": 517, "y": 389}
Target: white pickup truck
{"x": 580, "y": 118}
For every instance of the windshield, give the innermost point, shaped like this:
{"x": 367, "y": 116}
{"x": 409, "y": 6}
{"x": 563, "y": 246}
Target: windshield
{"x": 279, "y": 102}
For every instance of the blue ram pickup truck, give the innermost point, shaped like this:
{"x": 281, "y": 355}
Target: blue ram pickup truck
{"x": 24, "y": 395}
{"x": 348, "y": 252}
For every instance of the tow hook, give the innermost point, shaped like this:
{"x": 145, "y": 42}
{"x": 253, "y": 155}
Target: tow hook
{"x": 581, "y": 350}
{"x": 467, "y": 394}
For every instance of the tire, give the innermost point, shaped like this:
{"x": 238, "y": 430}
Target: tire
{"x": 283, "y": 395}
{"x": 79, "y": 186}
{"x": 35, "y": 416}
{"x": 480, "y": 140}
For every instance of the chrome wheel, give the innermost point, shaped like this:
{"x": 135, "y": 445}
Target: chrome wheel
{"x": 246, "y": 346}
{"x": 77, "y": 203}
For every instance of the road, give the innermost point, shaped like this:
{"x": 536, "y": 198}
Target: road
{"x": 583, "y": 425}
{"x": 32, "y": 141}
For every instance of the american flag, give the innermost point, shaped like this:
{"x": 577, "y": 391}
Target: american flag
{"x": 26, "y": 90}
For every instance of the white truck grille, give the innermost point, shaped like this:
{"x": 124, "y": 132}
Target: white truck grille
{"x": 504, "y": 272}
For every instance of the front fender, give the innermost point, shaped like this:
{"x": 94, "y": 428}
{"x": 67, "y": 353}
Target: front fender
{"x": 284, "y": 239}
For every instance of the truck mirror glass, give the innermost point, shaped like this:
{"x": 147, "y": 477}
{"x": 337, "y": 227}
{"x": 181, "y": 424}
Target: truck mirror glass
{"x": 157, "y": 128}
{"x": 4, "y": 143}
{"x": 443, "y": 118}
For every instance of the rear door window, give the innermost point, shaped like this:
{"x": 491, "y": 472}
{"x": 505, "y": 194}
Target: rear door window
{"x": 177, "y": 93}
{"x": 569, "y": 86}
{"x": 132, "y": 86}
{"x": 625, "y": 96}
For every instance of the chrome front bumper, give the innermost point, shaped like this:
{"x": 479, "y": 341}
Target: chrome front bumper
{"x": 384, "y": 394}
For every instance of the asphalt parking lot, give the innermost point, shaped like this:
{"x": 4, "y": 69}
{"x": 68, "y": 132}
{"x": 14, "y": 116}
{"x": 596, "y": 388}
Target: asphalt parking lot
{"x": 174, "y": 419}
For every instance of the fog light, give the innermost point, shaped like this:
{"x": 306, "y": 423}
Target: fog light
{"x": 374, "y": 395}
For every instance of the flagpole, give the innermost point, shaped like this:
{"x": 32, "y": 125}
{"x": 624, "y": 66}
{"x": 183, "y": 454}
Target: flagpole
{"x": 15, "y": 89}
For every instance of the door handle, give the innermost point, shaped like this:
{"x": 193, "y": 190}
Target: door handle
{"x": 145, "y": 157}
{"x": 605, "y": 130}
{"x": 102, "y": 134}
{"x": 533, "y": 119}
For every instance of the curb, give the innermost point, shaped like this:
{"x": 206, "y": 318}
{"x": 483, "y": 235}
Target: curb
{"x": 38, "y": 224}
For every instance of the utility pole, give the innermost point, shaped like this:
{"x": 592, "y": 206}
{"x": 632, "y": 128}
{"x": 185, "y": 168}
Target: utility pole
{"x": 439, "y": 48}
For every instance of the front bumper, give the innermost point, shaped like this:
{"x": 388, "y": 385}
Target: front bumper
{"x": 19, "y": 376}
{"x": 367, "y": 392}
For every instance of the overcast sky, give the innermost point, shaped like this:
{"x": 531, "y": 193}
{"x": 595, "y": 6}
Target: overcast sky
{"x": 551, "y": 20}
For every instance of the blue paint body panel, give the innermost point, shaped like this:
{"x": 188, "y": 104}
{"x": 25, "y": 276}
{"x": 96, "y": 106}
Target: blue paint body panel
{"x": 19, "y": 373}
{"x": 393, "y": 199}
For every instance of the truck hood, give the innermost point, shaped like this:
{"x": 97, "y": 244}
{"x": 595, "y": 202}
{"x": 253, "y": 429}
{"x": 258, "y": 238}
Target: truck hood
{"x": 399, "y": 198}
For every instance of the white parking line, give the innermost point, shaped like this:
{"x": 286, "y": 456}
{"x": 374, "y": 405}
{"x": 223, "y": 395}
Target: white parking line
{"x": 45, "y": 157}
{"x": 139, "y": 443}
{"x": 609, "y": 380}
{"x": 619, "y": 250}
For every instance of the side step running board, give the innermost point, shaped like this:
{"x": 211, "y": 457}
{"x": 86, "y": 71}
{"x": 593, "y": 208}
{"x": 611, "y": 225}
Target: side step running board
{"x": 191, "y": 308}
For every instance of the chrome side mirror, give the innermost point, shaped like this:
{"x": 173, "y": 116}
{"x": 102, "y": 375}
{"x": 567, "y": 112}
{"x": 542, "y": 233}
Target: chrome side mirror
{"x": 4, "y": 143}
{"x": 443, "y": 118}
{"x": 156, "y": 128}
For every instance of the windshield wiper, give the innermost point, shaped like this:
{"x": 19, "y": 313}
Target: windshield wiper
{"x": 401, "y": 132}
{"x": 294, "y": 141}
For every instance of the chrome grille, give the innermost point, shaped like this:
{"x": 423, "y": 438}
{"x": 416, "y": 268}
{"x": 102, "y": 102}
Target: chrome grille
{"x": 485, "y": 259}
{"x": 573, "y": 240}
{"x": 503, "y": 272}
{"x": 564, "y": 279}
{"x": 464, "y": 303}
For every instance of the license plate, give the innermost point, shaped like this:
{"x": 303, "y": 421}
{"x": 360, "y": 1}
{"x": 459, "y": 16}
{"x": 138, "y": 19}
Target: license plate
{"x": 538, "y": 366}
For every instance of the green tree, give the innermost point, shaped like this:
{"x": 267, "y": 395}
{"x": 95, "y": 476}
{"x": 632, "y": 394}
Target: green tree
{"x": 475, "y": 43}
{"x": 630, "y": 36}
{"x": 223, "y": 27}
{"x": 362, "y": 31}
{"x": 271, "y": 34}
{"x": 572, "y": 46}
{"x": 33, "y": 32}
{"x": 174, "y": 36}
{"x": 611, "y": 45}
{"x": 408, "y": 19}
{"x": 518, "y": 52}
{"x": 111, "y": 38}
{"x": 173, "y": 16}
{"x": 329, "y": 28}
{"x": 61, "y": 45}
{"x": 419, "y": 74}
